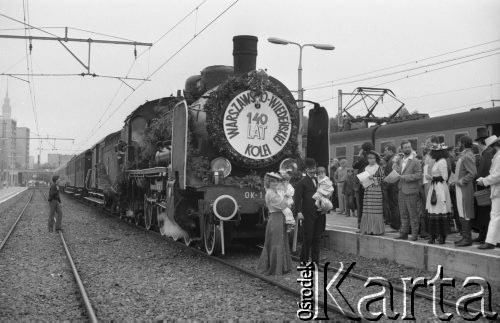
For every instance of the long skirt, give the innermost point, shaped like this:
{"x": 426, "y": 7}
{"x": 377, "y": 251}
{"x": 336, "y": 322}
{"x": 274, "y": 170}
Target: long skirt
{"x": 275, "y": 258}
{"x": 439, "y": 212}
{"x": 372, "y": 221}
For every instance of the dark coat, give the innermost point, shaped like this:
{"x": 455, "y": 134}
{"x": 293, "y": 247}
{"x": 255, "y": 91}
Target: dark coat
{"x": 304, "y": 202}
{"x": 54, "y": 193}
{"x": 485, "y": 162}
{"x": 465, "y": 180}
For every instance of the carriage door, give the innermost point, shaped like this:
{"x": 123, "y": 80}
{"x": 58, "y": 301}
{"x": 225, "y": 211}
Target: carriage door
{"x": 179, "y": 142}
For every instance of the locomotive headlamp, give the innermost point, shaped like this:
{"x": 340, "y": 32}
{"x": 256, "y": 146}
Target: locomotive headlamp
{"x": 221, "y": 165}
{"x": 225, "y": 207}
{"x": 288, "y": 164}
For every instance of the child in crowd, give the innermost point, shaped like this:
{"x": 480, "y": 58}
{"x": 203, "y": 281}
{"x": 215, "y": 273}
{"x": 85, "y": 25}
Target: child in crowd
{"x": 287, "y": 191}
{"x": 351, "y": 188}
{"x": 324, "y": 190}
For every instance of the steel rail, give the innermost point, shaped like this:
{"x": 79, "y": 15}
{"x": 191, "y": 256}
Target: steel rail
{"x": 295, "y": 258}
{"x": 81, "y": 288}
{"x": 4, "y": 241}
{"x": 86, "y": 300}
{"x": 348, "y": 314}
{"x": 404, "y": 290}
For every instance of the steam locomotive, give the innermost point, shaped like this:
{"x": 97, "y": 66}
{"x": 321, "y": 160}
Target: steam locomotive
{"x": 192, "y": 165}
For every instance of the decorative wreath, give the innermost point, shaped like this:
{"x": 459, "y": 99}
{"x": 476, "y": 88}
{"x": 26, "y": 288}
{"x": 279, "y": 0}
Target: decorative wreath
{"x": 257, "y": 82}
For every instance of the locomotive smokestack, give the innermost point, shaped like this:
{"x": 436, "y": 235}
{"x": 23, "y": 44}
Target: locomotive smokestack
{"x": 244, "y": 54}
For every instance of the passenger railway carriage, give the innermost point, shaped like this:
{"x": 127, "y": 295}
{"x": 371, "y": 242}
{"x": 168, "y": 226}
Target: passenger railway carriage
{"x": 449, "y": 130}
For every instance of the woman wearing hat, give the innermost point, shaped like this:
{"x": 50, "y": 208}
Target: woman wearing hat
{"x": 275, "y": 258}
{"x": 438, "y": 203}
{"x": 493, "y": 180}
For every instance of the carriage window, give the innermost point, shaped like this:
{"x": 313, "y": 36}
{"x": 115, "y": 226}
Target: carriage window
{"x": 440, "y": 139}
{"x": 458, "y": 136}
{"x": 357, "y": 148}
{"x": 414, "y": 143}
{"x": 138, "y": 129}
{"x": 385, "y": 144}
{"x": 341, "y": 152}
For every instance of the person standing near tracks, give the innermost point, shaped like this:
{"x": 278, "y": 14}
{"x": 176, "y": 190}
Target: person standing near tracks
{"x": 55, "y": 205}
{"x": 314, "y": 221}
{"x": 410, "y": 174}
{"x": 275, "y": 258}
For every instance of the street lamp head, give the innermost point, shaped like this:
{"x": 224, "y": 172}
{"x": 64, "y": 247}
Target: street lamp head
{"x": 323, "y": 46}
{"x": 278, "y": 41}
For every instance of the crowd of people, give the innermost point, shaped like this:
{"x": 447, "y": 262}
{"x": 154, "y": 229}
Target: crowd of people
{"x": 420, "y": 196}
{"x": 425, "y": 196}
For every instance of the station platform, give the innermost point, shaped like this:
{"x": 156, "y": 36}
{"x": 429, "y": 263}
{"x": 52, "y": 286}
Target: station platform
{"x": 9, "y": 192}
{"x": 458, "y": 262}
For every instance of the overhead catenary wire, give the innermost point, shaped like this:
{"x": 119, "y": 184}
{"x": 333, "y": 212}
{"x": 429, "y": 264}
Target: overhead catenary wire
{"x": 451, "y": 91}
{"x": 407, "y": 70}
{"x": 404, "y": 64}
{"x": 165, "y": 62}
{"x": 97, "y": 125}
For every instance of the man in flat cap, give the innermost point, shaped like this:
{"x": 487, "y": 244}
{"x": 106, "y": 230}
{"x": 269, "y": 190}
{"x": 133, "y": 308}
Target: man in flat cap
{"x": 55, "y": 205}
{"x": 314, "y": 221}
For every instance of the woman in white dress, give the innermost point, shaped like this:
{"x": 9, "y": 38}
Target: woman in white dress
{"x": 438, "y": 203}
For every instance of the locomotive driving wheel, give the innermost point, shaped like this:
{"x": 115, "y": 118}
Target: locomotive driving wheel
{"x": 211, "y": 235}
{"x": 148, "y": 214}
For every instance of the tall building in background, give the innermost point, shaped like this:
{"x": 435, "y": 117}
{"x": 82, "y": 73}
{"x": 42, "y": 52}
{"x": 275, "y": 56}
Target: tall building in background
{"x": 56, "y": 160}
{"x": 14, "y": 145}
{"x": 22, "y": 148}
{"x": 7, "y": 143}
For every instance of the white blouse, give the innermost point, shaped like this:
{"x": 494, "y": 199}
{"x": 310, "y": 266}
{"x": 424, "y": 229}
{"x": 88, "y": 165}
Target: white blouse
{"x": 440, "y": 168}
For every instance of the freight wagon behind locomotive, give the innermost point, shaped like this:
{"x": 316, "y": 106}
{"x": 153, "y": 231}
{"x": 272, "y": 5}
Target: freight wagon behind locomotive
{"x": 193, "y": 165}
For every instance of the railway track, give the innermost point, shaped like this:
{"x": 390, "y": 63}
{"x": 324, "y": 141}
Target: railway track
{"x": 83, "y": 293}
{"x": 287, "y": 289}
{"x": 250, "y": 273}
{"x": 90, "y": 312}
{"x": 13, "y": 227}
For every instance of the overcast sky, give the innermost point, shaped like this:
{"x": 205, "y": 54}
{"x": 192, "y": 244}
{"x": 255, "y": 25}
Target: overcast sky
{"x": 368, "y": 35}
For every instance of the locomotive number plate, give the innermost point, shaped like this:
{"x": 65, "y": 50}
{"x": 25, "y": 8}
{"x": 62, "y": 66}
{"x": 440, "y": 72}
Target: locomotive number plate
{"x": 253, "y": 195}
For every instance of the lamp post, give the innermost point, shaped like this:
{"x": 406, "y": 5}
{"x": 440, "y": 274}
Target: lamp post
{"x": 300, "y": 90}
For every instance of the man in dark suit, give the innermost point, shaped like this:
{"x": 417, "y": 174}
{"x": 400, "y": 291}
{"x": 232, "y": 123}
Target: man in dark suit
{"x": 55, "y": 205}
{"x": 482, "y": 219}
{"x": 313, "y": 221}
{"x": 410, "y": 174}
{"x": 390, "y": 191}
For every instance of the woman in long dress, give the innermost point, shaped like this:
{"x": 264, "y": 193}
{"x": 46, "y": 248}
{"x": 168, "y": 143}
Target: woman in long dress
{"x": 275, "y": 258}
{"x": 372, "y": 221}
{"x": 438, "y": 204}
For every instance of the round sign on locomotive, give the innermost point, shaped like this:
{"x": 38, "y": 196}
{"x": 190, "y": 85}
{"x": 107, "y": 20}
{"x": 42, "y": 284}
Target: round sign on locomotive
{"x": 257, "y": 127}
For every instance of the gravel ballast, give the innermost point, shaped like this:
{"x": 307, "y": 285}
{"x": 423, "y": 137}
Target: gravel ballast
{"x": 36, "y": 283}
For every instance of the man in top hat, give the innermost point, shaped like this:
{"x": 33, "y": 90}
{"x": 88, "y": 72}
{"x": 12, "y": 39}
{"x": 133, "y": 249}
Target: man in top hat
{"x": 493, "y": 181}
{"x": 55, "y": 205}
{"x": 313, "y": 221}
{"x": 482, "y": 213}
